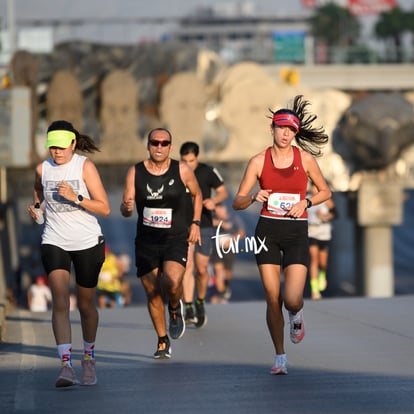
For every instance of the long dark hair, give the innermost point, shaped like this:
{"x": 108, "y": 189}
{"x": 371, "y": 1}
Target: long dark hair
{"x": 308, "y": 138}
{"x": 84, "y": 143}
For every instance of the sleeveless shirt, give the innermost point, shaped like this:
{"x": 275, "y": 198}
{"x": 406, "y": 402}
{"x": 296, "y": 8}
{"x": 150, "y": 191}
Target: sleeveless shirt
{"x": 288, "y": 186}
{"x": 67, "y": 225}
{"x": 161, "y": 204}
{"x": 317, "y": 228}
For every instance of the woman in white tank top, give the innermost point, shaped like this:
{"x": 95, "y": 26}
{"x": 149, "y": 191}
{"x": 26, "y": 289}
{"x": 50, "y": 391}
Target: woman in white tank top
{"x": 69, "y": 193}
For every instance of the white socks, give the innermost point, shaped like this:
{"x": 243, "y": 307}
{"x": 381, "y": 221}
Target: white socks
{"x": 65, "y": 354}
{"x": 88, "y": 350}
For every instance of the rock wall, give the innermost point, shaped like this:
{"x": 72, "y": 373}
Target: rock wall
{"x": 117, "y": 94}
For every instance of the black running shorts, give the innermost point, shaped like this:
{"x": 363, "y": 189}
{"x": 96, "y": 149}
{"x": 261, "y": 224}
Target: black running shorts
{"x": 87, "y": 263}
{"x": 283, "y": 242}
{"x": 149, "y": 256}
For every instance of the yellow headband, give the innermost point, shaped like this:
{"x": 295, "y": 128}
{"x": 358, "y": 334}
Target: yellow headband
{"x": 60, "y": 138}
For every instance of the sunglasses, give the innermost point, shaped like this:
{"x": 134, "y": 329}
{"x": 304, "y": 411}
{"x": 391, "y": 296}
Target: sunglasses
{"x": 155, "y": 143}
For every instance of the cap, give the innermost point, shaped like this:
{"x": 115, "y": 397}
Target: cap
{"x": 41, "y": 279}
{"x": 60, "y": 138}
{"x": 287, "y": 119}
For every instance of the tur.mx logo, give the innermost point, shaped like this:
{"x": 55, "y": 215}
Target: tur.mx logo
{"x": 248, "y": 244}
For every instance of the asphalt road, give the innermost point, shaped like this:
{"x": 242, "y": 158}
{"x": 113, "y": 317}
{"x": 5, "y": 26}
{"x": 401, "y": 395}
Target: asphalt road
{"x": 357, "y": 357}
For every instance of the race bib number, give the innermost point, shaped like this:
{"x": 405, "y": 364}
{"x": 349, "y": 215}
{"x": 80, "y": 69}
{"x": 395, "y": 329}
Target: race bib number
{"x": 280, "y": 203}
{"x": 157, "y": 217}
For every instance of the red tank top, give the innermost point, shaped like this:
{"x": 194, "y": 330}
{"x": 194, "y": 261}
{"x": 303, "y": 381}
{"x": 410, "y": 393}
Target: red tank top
{"x": 288, "y": 185}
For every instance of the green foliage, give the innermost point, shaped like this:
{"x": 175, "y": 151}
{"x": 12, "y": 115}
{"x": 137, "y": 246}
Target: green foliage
{"x": 391, "y": 25}
{"x": 409, "y": 21}
{"x": 334, "y": 25}
{"x": 360, "y": 54}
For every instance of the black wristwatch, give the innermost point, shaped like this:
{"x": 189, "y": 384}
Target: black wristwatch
{"x": 196, "y": 222}
{"x": 79, "y": 199}
{"x": 309, "y": 203}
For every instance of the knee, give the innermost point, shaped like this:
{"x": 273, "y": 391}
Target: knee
{"x": 202, "y": 271}
{"x": 294, "y": 306}
{"x": 152, "y": 293}
{"x": 174, "y": 285}
{"x": 60, "y": 304}
{"x": 86, "y": 307}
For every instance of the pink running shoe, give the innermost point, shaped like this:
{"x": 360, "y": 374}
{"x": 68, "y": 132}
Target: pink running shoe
{"x": 88, "y": 372}
{"x": 66, "y": 378}
{"x": 279, "y": 367}
{"x": 297, "y": 327}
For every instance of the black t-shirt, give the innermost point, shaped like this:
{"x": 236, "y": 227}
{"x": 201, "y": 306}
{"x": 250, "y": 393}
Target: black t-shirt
{"x": 208, "y": 179}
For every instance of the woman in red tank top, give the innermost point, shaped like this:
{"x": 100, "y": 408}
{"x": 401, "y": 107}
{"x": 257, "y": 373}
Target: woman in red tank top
{"x": 283, "y": 171}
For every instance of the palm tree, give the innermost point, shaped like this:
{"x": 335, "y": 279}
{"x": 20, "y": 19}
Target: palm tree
{"x": 335, "y": 26}
{"x": 409, "y": 24}
{"x": 390, "y": 26}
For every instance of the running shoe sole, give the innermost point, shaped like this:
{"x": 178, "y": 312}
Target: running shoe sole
{"x": 204, "y": 323}
{"x": 191, "y": 321}
{"x": 278, "y": 371}
{"x": 67, "y": 378}
{"x": 164, "y": 354}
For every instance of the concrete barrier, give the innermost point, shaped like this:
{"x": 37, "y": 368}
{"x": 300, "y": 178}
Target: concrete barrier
{"x": 350, "y": 77}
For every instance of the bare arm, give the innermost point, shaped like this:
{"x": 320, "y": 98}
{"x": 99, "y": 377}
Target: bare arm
{"x": 244, "y": 198}
{"x": 221, "y": 194}
{"x": 190, "y": 181}
{"x": 128, "y": 198}
{"x": 98, "y": 203}
{"x": 38, "y": 187}
{"x": 37, "y": 192}
{"x": 331, "y": 214}
{"x": 323, "y": 192}
{"x": 314, "y": 172}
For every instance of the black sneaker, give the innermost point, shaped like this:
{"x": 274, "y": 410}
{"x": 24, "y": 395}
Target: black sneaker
{"x": 189, "y": 314}
{"x": 163, "y": 349}
{"x": 200, "y": 314}
{"x": 177, "y": 323}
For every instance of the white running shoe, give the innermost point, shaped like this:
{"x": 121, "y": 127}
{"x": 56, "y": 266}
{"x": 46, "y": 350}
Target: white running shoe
{"x": 297, "y": 327}
{"x": 279, "y": 367}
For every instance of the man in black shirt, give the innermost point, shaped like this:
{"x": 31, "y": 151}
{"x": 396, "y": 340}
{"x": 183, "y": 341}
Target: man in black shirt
{"x": 209, "y": 179}
{"x": 157, "y": 187}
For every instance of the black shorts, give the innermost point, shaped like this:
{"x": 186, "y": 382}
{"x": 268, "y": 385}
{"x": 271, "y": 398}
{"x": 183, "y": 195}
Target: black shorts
{"x": 151, "y": 256}
{"x": 87, "y": 263}
{"x": 227, "y": 259}
{"x": 286, "y": 242}
{"x": 322, "y": 244}
{"x": 206, "y": 247}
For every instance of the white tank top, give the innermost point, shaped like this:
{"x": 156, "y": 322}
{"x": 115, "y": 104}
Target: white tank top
{"x": 318, "y": 229}
{"x": 67, "y": 225}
